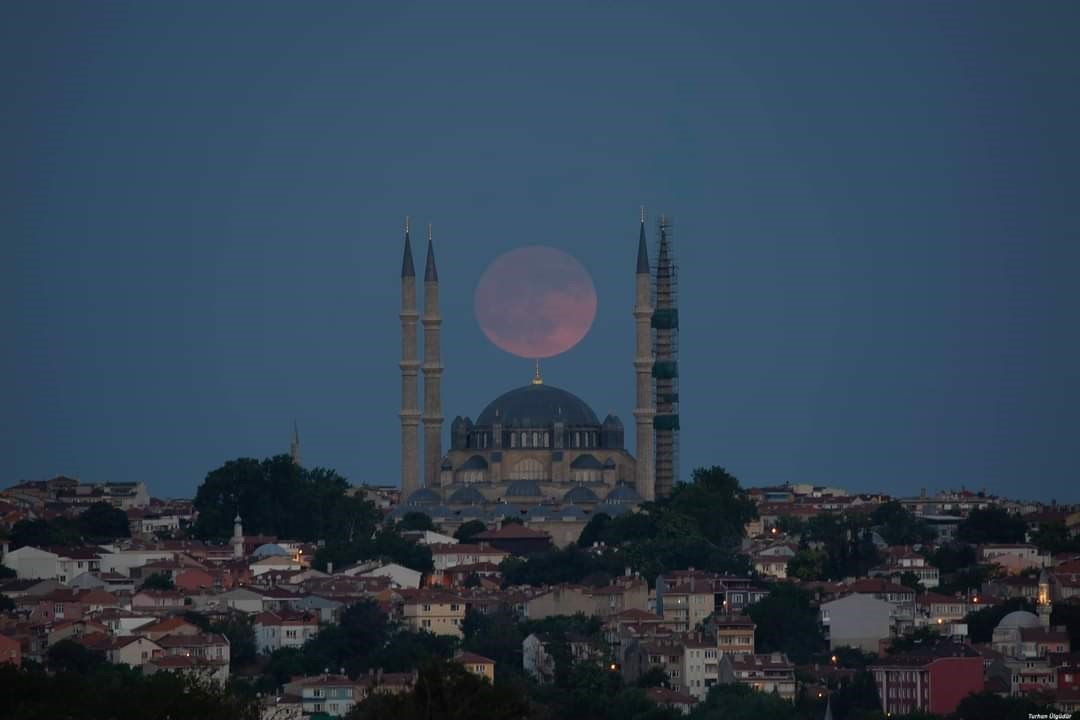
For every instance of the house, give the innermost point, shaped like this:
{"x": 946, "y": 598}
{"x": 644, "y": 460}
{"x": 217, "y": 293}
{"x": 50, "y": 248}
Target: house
{"x": 193, "y": 579}
{"x": 274, "y": 631}
{"x": 535, "y": 658}
{"x": 901, "y": 598}
{"x": 168, "y": 626}
{"x": 674, "y": 699}
{"x": 856, "y": 620}
{"x": 446, "y": 556}
{"x": 333, "y": 695}
{"x": 516, "y": 539}
{"x": 209, "y": 653}
{"x": 477, "y": 665}
{"x": 734, "y": 634}
{"x": 684, "y": 603}
{"x": 1014, "y": 558}
{"x": 433, "y": 610}
{"x": 700, "y": 667}
{"x": 325, "y": 610}
{"x": 942, "y": 612}
{"x": 930, "y": 680}
{"x": 400, "y": 576}
{"x": 10, "y": 651}
{"x": 559, "y": 600}
{"x": 157, "y": 601}
{"x": 376, "y": 681}
{"x": 132, "y": 650}
{"x": 242, "y": 599}
{"x": 770, "y": 673}
{"x": 31, "y": 563}
{"x": 628, "y": 592}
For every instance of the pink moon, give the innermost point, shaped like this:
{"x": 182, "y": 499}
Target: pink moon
{"x": 535, "y": 302}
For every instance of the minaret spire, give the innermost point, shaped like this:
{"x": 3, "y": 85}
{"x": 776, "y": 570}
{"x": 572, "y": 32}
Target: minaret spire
{"x": 644, "y": 408}
{"x": 432, "y": 368}
{"x": 410, "y": 366}
{"x": 294, "y": 446}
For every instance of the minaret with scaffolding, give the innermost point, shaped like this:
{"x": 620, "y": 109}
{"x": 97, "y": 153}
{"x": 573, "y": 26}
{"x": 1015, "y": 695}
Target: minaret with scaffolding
{"x": 665, "y": 371}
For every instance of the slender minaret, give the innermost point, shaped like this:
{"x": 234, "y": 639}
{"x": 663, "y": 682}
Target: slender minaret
{"x": 665, "y": 323}
{"x": 294, "y": 446}
{"x": 643, "y": 407}
{"x": 237, "y": 537}
{"x": 410, "y": 413}
{"x": 432, "y": 367}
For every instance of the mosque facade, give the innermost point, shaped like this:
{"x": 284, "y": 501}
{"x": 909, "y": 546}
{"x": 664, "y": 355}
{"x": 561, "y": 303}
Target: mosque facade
{"x": 537, "y": 452}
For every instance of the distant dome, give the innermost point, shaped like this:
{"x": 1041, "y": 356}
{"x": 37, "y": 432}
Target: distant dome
{"x": 271, "y": 550}
{"x": 580, "y": 494}
{"x": 467, "y": 496}
{"x": 1019, "y": 619}
{"x": 623, "y": 494}
{"x": 523, "y": 488}
{"x": 536, "y": 406}
{"x": 424, "y": 496}
{"x": 611, "y": 509}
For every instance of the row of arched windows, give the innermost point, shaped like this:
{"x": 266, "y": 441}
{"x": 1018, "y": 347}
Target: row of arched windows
{"x": 538, "y": 439}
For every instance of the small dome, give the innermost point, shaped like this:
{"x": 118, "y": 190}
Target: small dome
{"x": 476, "y": 462}
{"x": 540, "y": 513}
{"x": 437, "y": 512}
{"x": 586, "y": 462}
{"x": 612, "y": 422}
{"x": 523, "y": 488}
{"x": 506, "y": 510}
{"x": 1019, "y": 619}
{"x": 611, "y": 510}
{"x": 609, "y": 464}
{"x": 424, "y": 496}
{"x": 446, "y": 464}
{"x": 623, "y": 494}
{"x": 467, "y": 496}
{"x": 580, "y": 494}
{"x": 271, "y": 550}
{"x": 571, "y": 512}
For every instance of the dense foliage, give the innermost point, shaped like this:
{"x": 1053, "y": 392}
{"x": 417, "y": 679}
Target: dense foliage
{"x": 787, "y": 622}
{"x": 981, "y": 623}
{"x": 277, "y": 497}
{"x": 992, "y": 525}
{"x": 899, "y": 526}
{"x": 847, "y": 544}
{"x": 237, "y": 626}
{"x": 100, "y": 522}
{"x": 99, "y": 691}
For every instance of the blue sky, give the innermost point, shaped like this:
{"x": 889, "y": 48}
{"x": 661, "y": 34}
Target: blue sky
{"x": 874, "y": 205}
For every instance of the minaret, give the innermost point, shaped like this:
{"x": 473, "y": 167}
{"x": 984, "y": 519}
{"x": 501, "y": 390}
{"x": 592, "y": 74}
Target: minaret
{"x": 432, "y": 367}
{"x": 237, "y": 537}
{"x": 294, "y": 446}
{"x": 665, "y": 323}
{"x": 410, "y": 365}
{"x": 643, "y": 407}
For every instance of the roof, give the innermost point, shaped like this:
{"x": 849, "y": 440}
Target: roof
{"x": 1019, "y": 619}
{"x": 513, "y": 531}
{"x": 623, "y": 493}
{"x": 407, "y": 269}
{"x": 586, "y": 461}
{"x": 523, "y": 488}
{"x": 537, "y": 406}
{"x": 466, "y": 495}
{"x": 473, "y": 659}
{"x": 424, "y": 496}
{"x": 431, "y": 274}
{"x": 876, "y": 585}
{"x": 271, "y": 550}
{"x": 642, "y": 250}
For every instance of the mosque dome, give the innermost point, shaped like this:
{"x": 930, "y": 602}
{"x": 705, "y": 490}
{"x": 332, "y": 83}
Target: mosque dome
{"x": 536, "y": 406}
{"x": 467, "y": 496}
{"x": 622, "y": 493}
{"x": 524, "y": 488}
{"x": 580, "y": 494}
{"x": 1019, "y": 619}
{"x": 424, "y": 496}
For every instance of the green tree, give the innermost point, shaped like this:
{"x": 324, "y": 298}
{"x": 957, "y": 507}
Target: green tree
{"x": 238, "y": 627}
{"x": 786, "y": 622}
{"x": 496, "y": 636}
{"x": 70, "y": 656}
{"x": 899, "y": 526}
{"x": 41, "y": 533}
{"x": 919, "y": 638}
{"x": 158, "y": 581}
{"x": 101, "y": 522}
{"x": 739, "y": 702}
{"x": 653, "y": 677}
{"x": 953, "y": 556}
{"x": 715, "y": 501}
{"x": 6, "y": 572}
{"x": 1054, "y": 538}
{"x": 991, "y": 525}
{"x": 988, "y": 706}
{"x": 911, "y": 580}
{"x": 469, "y": 530}
{"x": 415, "y": 521}
{"x": 807, "y": 565}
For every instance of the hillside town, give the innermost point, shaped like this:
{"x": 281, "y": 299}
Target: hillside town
{"x": 929, "y": 600}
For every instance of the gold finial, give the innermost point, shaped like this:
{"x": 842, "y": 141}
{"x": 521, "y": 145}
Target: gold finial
{"x": 429, "y": 232}
{"x": 406, "y": 224}
{"x": 642, "y": 214}
{"x": 537, "y": 380}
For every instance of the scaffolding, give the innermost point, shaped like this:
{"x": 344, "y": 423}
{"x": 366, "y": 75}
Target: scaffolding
{"x": 665, "y": 371}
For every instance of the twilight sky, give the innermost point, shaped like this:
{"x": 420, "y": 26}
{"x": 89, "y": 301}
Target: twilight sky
{"x": 875, "y": 204}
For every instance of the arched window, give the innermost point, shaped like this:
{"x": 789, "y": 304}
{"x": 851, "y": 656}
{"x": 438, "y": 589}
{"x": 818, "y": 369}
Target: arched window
{"x": 528, "y": 469}
{"x": 577, "y": 439}
{"x": 547, "y": 439}
{"x": 536, "y": 439}
{"x": 524, "y": 439}
{"x": 513, "y": 440}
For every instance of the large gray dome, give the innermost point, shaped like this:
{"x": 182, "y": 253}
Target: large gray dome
{"x": 537, "y": 406}
{"x": 1019, "y": 619}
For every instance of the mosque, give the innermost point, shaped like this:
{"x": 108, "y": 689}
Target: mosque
{"x": 538, "y": 452}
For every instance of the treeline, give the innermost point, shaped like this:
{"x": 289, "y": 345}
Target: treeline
{"x": 99, "y": 523}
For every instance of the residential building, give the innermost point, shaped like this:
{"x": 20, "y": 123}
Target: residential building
{"x": 684, "y": 603}
{"x": 769, "y": 673}
{"x": 1014, "y": 558}
{"x": 283, "y": 629}
{"x": 700, "y": 666}
{"x": 856, "y": 620}
{"x": 446, "y": 556}
{"x": 931, "y": 680}
{"x": 434, "y": 611}
{"x": 10, "y": 651}
{"x": 477, "y": 665}
{"x": 734, "y": 634}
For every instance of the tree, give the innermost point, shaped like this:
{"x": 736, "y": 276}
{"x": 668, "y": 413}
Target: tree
{"x": 415, "y": 521}
{"x": 6, "y": 604}
{"x": 496, "y": 636}
{"x": 911, "y": 580}
{"x": 40, "y": 533}
{"x": 237, "y": 626}
{"x": 714, "y": 499}
{"x": 6, "y": 572}
{"x": 653, "y": 677}
{"x": 70, "y": 656}
{"x": 919, "y": 638}
{"x": 101, "y": 522}
{"x": 988, "y": 706}
{"x": 992, "y": 525}
{"x": 807, "y": 565}
{"x": 899, "y": 526}
{"x": 1054, "y": 538}
{"x": 469, "y": 530}
{"x": 446, "y": 691}
{"x": 952, "y": 556}
{"x": 786, "y": 622}
{"x": 158, "y": 581}
{"x": 740, "y": 702}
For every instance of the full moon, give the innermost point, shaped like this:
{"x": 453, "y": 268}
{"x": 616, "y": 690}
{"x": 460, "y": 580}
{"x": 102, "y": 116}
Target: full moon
{"x": 535, "y": 302}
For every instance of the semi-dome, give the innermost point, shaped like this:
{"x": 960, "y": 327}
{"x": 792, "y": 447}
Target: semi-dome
{"x": 270, "y": 550}
{"x": 424, "y": 496}
{"x": 1019, "y": 619}
{"x": 580, "y": 494}
{"x": 467, "y": 496}
{"x": 535, "y": 406}
{"x": 623, "y": 493}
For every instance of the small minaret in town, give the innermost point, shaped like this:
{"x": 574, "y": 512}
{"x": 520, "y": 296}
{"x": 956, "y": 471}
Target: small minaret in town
{"x": 432, "y": 367}
{"x": 644, "y": 410}
{"x": 410, "y": 366}
{"x": 237, "y": 537}
{"x": 294, "y": 446}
